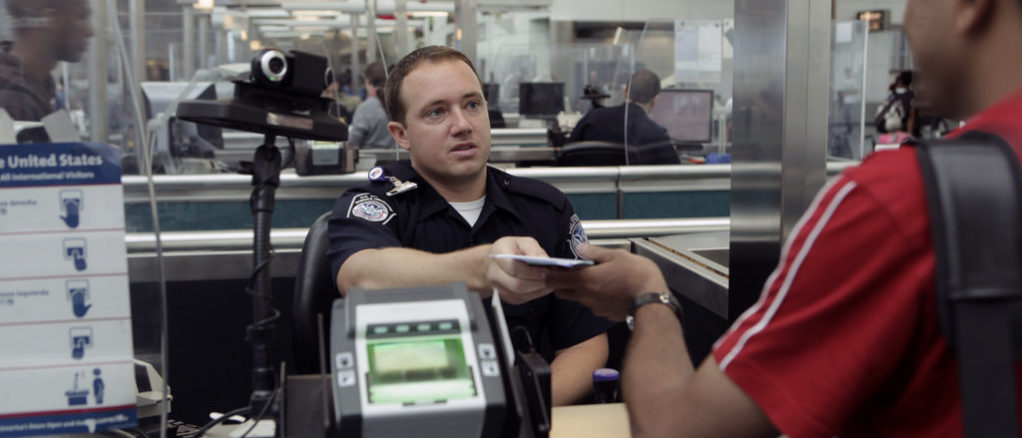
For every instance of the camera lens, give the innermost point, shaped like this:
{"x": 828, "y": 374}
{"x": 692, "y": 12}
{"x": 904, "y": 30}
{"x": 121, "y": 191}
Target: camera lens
{"x": 273, "y": 65}
{"x": 276, "y": 65}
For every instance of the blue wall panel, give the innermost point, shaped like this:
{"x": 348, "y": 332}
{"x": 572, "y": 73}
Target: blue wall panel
{"x": 235, "y": 215}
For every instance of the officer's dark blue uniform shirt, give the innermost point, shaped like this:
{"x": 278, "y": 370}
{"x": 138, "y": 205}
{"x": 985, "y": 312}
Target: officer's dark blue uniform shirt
{"x": 365, "y": 217}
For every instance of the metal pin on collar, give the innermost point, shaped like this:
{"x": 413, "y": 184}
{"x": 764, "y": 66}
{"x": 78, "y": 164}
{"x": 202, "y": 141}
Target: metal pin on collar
{"x": 400, "y": 186}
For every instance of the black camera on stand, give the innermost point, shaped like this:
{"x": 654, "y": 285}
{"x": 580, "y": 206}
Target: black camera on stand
{"x": 298, "y": 72}
{"x": 282, "y": 98}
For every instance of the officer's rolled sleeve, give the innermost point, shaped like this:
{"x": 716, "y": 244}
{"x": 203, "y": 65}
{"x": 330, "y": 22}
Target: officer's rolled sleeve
{"x": 349, "y": 233}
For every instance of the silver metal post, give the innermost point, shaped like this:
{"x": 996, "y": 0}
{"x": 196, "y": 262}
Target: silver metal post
{"x": 722, "y": 134}
{"x": 779, "y": 134}
{"x": 466, "y": 21}
{"x": 862, "y": 93}
{"x": 204, "y": 22}
{"x": 136, "y": 15}
{"x": 99, "y": 125}
{"x": 371, "y": 45}
{"x": 427, "y": 30}
{"x": 401, "y": 28}
{"x": 188, "y": 42}
{"x": 356, "y": 67}
{"x": 219, "y": 45}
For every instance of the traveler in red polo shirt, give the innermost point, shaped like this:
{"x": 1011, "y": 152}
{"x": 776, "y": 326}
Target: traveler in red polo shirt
{"x": 844, "y": 340}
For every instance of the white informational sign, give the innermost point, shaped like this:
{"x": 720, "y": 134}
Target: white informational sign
{"x": 843, "y": 32}
{"x": 698, "y": 50}
{"x": 65, "y": 316}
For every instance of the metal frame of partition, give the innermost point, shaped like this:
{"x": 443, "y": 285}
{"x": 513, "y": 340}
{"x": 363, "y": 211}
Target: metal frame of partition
{"x": 221, "y": 255}
{"x": 610, "y": 179}
{"x": 781, "y": 98}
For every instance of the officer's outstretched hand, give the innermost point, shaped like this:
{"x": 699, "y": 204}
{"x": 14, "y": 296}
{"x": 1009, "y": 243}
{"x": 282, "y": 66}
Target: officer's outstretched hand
{"x": 610, "y": 286}
{"x": 517, "y": 281}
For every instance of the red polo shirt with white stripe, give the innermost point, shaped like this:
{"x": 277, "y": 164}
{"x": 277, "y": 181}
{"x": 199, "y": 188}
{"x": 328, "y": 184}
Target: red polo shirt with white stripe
{"x": 845, "y": 340}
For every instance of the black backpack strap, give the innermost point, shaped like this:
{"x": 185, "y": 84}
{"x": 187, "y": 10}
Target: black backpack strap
{"x": 972, "y": 187}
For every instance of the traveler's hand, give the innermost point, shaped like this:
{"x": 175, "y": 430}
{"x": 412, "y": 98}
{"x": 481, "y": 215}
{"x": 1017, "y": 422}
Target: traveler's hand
{"x": 517, "y": 281}
{"x": 610, "y": 286}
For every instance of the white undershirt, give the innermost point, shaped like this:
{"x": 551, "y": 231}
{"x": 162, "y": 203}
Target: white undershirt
{"x": 470, "y": 210}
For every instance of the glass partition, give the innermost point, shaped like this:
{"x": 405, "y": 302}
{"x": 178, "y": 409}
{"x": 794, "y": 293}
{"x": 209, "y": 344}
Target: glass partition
{"x": 552, "y": 85}
{"x": 693, "y": 61}
{"x": 846, "y": 129}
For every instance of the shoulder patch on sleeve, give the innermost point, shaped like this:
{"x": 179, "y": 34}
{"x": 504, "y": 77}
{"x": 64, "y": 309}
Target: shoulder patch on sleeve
{"x": 577, "y": 234}
{"x": 371, "y": 208}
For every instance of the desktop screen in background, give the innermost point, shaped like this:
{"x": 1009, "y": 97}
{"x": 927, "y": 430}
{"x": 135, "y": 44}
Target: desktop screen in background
{"x": 540, "y": 99}
{"x": 687, "y": 114}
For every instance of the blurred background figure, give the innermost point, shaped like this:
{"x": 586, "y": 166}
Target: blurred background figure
{"x": 896, "y": 121}
{"x": 45, "y": 33}
{"x": 368, "y": 128}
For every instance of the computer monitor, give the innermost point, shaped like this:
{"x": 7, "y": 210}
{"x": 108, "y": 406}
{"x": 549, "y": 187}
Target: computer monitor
{"x": 540, "y": 99}
{"x": 687, "y": 114}
{"x": 491, "y": 92}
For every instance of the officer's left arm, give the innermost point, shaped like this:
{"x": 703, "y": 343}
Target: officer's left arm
{"x": 572, "y": 369}
{"x": 573, "y": 365}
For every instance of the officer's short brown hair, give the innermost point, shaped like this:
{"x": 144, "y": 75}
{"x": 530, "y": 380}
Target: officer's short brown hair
{"x": 392, "y": 92}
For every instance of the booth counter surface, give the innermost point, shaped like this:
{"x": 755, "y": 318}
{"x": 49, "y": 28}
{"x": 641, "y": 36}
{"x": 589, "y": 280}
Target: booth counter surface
{"x": 591, "y": 421}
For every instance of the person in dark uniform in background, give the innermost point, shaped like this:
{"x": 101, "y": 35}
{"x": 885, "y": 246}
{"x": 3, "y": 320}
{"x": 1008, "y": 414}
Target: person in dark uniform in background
{"x": 608, "y": 123}
{"x": 46, "y": 32}
{"x": 459, "y": 214}
{"x": 845, "y": 339}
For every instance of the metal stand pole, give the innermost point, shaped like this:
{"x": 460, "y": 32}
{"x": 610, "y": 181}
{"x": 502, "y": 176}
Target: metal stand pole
{"x": 265, "y": 180}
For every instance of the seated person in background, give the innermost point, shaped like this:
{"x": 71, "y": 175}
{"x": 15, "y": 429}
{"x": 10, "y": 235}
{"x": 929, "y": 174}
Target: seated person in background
{"x": 368, "y": 128}
{"x": 608, "y": 124}
{"x": 462, "y": 212}
{"x": 46, "y": 32}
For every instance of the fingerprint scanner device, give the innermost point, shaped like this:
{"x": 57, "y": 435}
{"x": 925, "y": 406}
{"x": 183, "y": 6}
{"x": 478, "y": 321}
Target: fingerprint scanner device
{"x": 419, "y": 362}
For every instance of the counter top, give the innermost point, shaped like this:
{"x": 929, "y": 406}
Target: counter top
{"x": 591, "y": 421}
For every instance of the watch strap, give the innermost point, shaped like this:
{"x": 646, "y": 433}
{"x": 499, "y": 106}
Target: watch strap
{"x": 649, "y": 298}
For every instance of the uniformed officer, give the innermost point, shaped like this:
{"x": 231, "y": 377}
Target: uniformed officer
{"x": 438, "y": 218}
{"x": 650, "y": 141}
